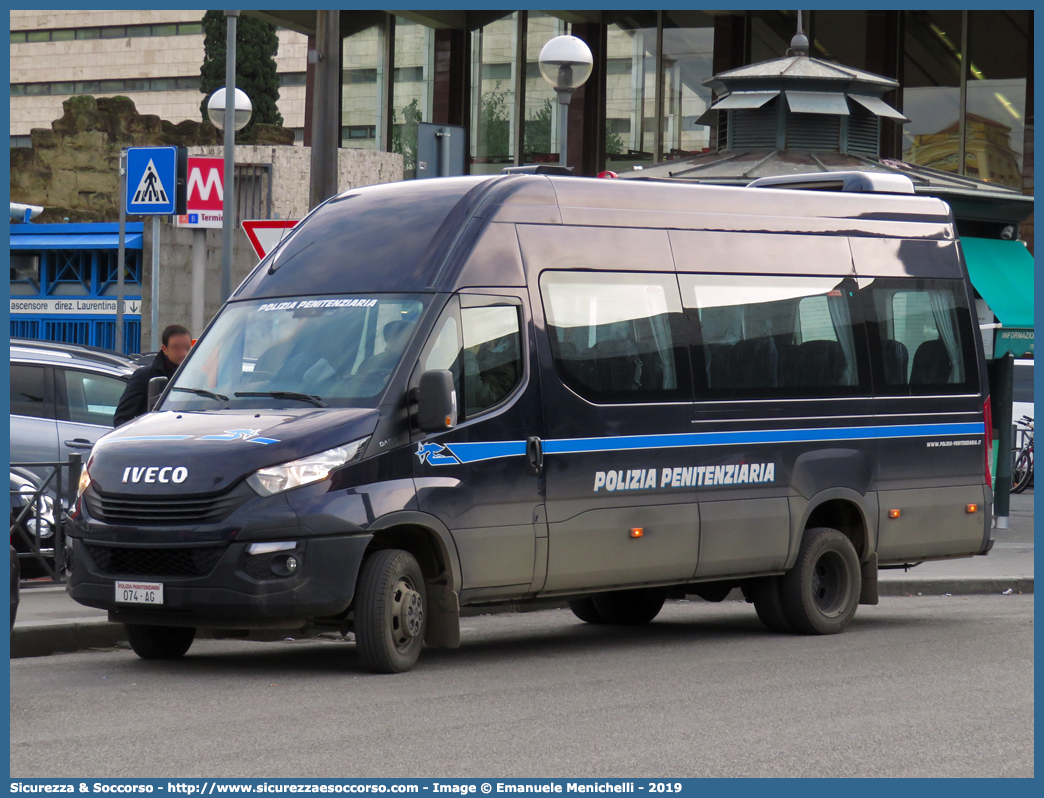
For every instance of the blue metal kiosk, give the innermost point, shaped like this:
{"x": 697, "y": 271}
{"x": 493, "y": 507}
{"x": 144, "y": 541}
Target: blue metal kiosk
{"x": 63, "y": 283}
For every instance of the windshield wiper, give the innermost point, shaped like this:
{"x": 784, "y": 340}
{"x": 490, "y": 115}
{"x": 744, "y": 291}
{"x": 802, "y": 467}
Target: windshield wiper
{"x": 301, "y": 397}
{"x": 202, "y": 392}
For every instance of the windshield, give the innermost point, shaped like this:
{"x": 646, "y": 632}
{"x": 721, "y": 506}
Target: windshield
{"x": 335, "y": 351}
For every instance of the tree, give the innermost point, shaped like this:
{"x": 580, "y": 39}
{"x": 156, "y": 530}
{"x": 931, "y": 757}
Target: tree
{"x": 256, "y": 48}
{"x": 404, "y": 135}
{"x": 538, "y": 130}
{"x": 614, "y": 144}
{"x": 494, "y": 130}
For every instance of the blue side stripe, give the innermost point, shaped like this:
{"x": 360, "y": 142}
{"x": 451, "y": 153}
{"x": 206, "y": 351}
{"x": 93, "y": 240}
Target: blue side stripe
{"x": 475, "y": 452}
{"x": 623, "y": 443}
{"x": 478, "y": 451}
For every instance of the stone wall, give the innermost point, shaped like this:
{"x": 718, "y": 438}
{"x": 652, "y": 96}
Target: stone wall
{"x": 72, "y": 169}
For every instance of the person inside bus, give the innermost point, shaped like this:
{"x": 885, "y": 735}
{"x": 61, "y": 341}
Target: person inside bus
{"x": 491, "y": 370}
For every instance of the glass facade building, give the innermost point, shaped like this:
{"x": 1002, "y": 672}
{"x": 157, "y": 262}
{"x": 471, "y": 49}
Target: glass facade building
{"x": 965, "y": 82}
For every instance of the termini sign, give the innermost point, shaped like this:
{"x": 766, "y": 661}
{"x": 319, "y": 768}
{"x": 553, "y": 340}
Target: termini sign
{"x": 205, "y": 187}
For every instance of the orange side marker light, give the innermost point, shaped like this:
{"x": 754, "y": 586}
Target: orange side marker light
{"x": 893, "y": 513}
{"x": 637, "y": 531}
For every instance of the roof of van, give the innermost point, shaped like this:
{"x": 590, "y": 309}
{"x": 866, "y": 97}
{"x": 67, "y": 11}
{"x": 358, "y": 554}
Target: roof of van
{"x": 411, "y": 236}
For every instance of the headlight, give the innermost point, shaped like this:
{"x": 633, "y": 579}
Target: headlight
{"x": 315, "y": 467}
{"x": 85, "y": 482}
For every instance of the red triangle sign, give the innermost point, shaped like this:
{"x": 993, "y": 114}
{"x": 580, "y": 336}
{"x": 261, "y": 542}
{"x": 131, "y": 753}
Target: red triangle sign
{"x": 265, "y": 234}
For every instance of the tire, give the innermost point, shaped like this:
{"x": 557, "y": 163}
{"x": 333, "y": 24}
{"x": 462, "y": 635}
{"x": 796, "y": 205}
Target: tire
{"x": 390, "y": 611}
{"x": 629, "y": 607}
{"x": 584, "y": 609}
{"x": 768, "y": 603}
{"x": 160, "y": 642}
{"x": 821, "y": 592}
{"x": 1021, "y": 473}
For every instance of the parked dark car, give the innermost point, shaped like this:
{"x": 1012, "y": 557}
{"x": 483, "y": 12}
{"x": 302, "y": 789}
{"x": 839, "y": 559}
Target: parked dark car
{"x": 63, "y": 398}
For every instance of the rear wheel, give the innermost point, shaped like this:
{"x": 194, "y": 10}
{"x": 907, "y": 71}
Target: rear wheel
{"x": 584, "y": 609}
{"x": 160, "y": 642}
{"x": 821, "y": 592}
{"x": 765, "y": 595}
{"x": 389, "y": 611}
{"x": 630, "y": 607}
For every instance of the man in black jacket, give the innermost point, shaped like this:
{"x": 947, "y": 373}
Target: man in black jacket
{"x": 176, "y": 344}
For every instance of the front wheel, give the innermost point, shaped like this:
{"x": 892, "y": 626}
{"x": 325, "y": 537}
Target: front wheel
{"x": 821, "y": 592}
{"x": 389, "y": 611}
{"x": 160, "y": 642}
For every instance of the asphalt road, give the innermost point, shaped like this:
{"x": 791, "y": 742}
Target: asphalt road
{"x": 917, "y": 686}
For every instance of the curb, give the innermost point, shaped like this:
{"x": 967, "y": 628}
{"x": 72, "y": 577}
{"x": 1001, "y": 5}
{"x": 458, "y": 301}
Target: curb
{"x": 979, "y": 586}
{"x": 62, "y": 637}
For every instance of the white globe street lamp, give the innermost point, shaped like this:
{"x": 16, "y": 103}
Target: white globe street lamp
{"x": 566, "y": 63}
{"x": 216, "y": 109}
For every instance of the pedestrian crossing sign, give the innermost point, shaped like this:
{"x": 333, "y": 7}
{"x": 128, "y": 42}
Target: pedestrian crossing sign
{"x": 152, "y": 174}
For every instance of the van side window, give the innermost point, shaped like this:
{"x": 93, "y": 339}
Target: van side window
{"x": 492, "y": 355}
{"x": 922, "y": 335}
{"x": 612, "y": 335}
{"x": 774, "y": 336}
{"x": 482, "y": 346}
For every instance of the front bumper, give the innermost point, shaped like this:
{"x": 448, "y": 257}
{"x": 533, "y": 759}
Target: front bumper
{"x": 238, "y": 592}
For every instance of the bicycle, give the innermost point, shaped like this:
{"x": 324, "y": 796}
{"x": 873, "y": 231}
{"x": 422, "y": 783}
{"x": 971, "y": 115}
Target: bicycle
{"x": 1022, "y": 467}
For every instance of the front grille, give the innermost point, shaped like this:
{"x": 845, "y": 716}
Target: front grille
{"x": 120, "y": 561}
{"x": 164, "y": 510}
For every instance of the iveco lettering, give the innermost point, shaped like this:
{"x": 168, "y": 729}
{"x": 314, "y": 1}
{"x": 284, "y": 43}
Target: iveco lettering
{"x": 480, "y": 390}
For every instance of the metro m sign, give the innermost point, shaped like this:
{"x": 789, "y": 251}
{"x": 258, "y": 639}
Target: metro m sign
{"x": 205, "y": 187}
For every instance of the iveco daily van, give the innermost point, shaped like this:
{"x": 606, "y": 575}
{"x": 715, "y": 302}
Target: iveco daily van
{"x": 477, "y": 390}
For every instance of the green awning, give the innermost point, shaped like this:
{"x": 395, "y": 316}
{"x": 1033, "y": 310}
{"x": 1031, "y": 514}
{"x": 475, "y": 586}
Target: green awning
{"x": 1002, "y": 272}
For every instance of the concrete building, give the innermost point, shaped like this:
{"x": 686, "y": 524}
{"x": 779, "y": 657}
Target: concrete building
{"x": 153, "y": 57}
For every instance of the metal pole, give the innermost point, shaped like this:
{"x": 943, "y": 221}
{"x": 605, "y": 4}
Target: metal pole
{"x": 564, "y": 129}
{"x": 155, "y": 282}
{"x": 444, "y": 152}
{"x": 1002, "y": 422}
{"x": 326, "y": 120}
{"x": 121, "y": 254}
{"x": 962, "y": 111}
{"x": 564, "y": 96}
{"x": 228, "y": 219}
{"x": 659, "y": 84}
{"x": 75, "y": 469}
{"x": 199, "y": 276}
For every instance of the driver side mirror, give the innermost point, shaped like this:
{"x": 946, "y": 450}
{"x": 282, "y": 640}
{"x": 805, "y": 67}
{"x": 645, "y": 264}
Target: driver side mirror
{"x": 436, "y": 401}
{"x": 156, "y": 386}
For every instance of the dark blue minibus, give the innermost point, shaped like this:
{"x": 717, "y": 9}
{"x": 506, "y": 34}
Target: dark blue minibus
{"x": 486, "y": 390}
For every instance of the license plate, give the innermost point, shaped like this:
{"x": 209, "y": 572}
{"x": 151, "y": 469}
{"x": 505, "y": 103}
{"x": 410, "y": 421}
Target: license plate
{"x": 139, "y": 592}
